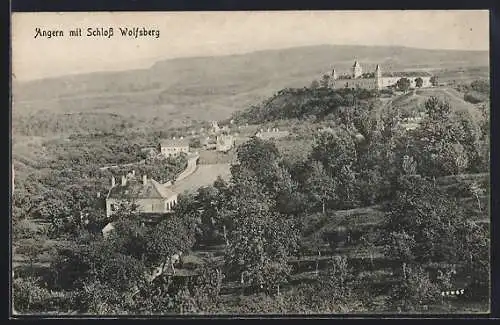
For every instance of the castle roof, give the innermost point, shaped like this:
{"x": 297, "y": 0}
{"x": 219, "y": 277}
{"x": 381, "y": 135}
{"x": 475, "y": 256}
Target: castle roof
{"x": 138, "y": 190}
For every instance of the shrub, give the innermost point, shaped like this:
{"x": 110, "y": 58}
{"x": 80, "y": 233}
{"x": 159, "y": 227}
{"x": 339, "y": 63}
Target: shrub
{"x": 474, "y": 97}
{"x": 414, "y": 291}
{"x": 29, "y": 296}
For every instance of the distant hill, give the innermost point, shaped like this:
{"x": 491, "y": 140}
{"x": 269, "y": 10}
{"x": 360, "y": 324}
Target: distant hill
{"x": 214, "y": 87}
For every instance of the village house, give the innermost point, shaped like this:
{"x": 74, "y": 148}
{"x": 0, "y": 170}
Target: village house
{"x": 224, "y": 142}
{"x": 173, "y": 147}
{"x": 214, "y": 127}
{"x": 274, "y": 133}
{"x": 150, "y": 196}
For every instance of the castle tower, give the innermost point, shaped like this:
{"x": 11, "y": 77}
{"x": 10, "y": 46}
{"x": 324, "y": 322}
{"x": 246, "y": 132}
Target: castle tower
{"x": 357, "y": 71}
{"x": 378, "y": 78}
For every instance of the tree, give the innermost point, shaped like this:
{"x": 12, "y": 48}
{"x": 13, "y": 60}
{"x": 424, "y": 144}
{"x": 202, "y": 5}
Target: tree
{"x": 206, "y": 287}
{"x": 258, "y": 157}
{"x": 414, "y": 291}
{"x": 31, "y": 250}
{"x": 195, "y": 143}
{"x": 29, "y": 296}
{"x": 338, "y": 280}
{"x": 368, "y": 245}
{"x": 320, "y": 185}
{"x": 403, "y": 84}
{"x": 261, "y": 239}
{"x": 171, "y": 236}
{"x": 426, "y": 218}
{"x": 314, "y": 84}
{"x": 325, "y": 81}
{"x": 436, "y": 109}
{"x": 419, "y": 82}
{"x": 444, "y": 142}
{"x": 434, "y": 81}
{"x": 400, "y": 246}
{"x": 334, "y": 151}
{"x": 476, "y": 256}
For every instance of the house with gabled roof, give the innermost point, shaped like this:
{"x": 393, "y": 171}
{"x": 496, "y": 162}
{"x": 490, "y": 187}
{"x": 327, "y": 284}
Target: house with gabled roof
{"x": 173, "y": 147}
{"x": 150, "y": 196}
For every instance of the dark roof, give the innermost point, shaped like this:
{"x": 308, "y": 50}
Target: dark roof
{"x": 136, "y": 189}
{"x": 174, "y": 142}
{"x": 407, "y": 74}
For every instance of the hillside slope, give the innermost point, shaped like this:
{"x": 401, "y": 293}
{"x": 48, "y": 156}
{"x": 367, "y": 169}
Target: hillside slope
{"x": 213, "y": 87}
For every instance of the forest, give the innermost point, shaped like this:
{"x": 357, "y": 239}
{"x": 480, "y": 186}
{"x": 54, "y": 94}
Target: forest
{"x": 374, "y": 218}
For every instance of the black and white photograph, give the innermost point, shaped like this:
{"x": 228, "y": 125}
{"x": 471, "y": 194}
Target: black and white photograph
{"x": 238, "y": 163}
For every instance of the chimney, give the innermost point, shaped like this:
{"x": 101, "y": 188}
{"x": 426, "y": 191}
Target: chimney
{"x": 144, "y": 179}
{"x": 113, "y": 181}
{"x": 133, "y": 173}
{"x": 124, "y": 180}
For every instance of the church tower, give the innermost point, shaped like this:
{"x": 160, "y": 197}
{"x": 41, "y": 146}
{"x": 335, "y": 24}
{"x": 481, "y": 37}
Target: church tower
{"x": 357, "y": 71}
{"x": 334, "y": 74}
{"x": 378, "y": 78}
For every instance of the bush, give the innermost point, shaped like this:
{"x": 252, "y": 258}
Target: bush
{"x": 474, "y": 97}
{"x": 30, "y": 297}
{"x": 414, "y": 291}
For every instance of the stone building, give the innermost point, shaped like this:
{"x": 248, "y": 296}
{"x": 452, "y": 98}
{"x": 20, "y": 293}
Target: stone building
{"x": 150, "y": 196}
{"x": 224, "y": 142}
{"x": 174, "y": 147}
{"x": 377, "y": 79}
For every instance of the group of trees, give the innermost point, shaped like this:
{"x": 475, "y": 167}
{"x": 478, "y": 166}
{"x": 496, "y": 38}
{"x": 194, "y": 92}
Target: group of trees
{"x": 71, "y": 183}
{"x": 160, "y": 168}
{"x": 263, "y": 215}
{"x": 304, "y": 103}
{"x": 477, "y": 91}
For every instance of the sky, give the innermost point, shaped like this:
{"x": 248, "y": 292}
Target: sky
{"x": 187, "y": 34}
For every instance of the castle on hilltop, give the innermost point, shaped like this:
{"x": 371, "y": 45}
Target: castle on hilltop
{"x": 375, "y": 80}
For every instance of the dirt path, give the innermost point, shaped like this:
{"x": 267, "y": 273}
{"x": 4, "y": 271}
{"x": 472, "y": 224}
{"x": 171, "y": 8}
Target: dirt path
{"x": 204, "y": 175}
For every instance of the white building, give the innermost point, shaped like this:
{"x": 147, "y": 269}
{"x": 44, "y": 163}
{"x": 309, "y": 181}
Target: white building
{"x": 150, "y": 196}
{"x": 174, "y": 147}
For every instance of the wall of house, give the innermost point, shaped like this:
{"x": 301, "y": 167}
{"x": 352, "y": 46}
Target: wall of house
{"x": 145, "y": 205}
{"x": 174, "y": 151}
{"x": 367, "y": 83}
{"x": 170, "y": 204}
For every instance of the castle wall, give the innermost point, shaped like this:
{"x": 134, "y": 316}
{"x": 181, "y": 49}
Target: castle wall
{"x": 368, "y": 83}
{"x": 390, "y": 81}
{"x": 378, "y": 82}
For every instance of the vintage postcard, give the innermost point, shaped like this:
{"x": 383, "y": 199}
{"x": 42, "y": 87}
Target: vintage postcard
{"x": 250, "y": 163}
